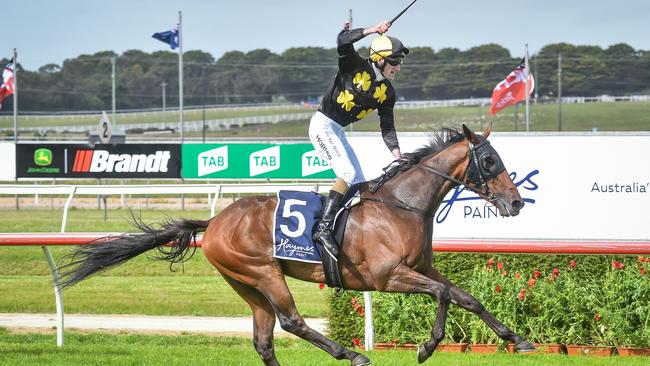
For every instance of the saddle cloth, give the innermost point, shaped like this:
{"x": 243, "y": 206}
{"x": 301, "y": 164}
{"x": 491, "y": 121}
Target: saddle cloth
{"x": 296, "y": 215}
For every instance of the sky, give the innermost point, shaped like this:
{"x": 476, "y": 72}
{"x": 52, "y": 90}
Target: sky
{"x": 46, "y": 31}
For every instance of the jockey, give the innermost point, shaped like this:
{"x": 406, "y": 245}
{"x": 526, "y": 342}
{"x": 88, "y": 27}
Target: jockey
{"x": 360, "y": 86}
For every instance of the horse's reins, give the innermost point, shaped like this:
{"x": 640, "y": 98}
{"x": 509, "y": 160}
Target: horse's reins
{"x": 483, "y": 190}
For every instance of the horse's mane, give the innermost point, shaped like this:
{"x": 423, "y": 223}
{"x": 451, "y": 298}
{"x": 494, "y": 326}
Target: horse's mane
{"x": 438, "y": 141}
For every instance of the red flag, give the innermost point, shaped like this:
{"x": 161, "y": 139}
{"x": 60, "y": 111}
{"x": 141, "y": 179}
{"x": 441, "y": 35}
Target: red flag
{"x": 512, "y": 89}
{"x": 7, "y": 87}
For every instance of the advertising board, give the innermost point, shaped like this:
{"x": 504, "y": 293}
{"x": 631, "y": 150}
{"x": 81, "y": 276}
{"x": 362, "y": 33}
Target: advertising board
{"x": 99, "y": 161}
{"x": 8, "y": 161}
{"x": 575, "y": 187}
{"x": 250, "y": 161}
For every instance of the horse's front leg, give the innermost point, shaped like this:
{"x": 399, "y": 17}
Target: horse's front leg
{"x": 468, "y": 302}
{"x": 406, "y": 280}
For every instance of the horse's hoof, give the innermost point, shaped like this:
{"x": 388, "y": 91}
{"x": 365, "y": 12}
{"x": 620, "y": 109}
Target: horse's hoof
{"x": 423, "y": 354}
{"x": 524, "y": 346}
{"x": 360, "y": 360}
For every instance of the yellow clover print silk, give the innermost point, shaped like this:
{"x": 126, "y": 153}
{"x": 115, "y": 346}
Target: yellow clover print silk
{"x": 380, "y": 93}
{"x": 345, "y": 100}
{"x": 362, "y": 81}
{"x": 364, "y": 113}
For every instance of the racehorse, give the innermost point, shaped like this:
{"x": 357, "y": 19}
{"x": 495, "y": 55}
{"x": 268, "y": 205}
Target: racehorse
{"x": 386, "y": 247}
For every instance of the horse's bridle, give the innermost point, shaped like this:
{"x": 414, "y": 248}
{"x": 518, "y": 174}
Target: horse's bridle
{"x": 478, "y": 175}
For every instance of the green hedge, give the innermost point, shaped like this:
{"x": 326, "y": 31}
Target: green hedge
{"x": 601, "y": 300}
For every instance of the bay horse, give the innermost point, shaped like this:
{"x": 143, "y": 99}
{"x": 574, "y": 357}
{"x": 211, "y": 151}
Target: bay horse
{"x": 386, "y": 247}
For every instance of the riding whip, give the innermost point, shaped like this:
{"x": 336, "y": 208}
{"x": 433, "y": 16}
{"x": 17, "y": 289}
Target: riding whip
{"x": 402, "y": 12}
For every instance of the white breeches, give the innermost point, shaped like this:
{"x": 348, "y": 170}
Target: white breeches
{"x": 328, "y": 138}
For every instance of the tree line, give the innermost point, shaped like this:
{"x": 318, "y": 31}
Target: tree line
{"x": 303, "y": 74}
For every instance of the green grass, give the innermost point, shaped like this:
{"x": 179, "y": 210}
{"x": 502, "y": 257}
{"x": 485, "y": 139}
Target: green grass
{"x": 603, "y": 116}
{"x": 146, "y": 117}
{"x": 140, "y": 286}
{"x": 132, "y": 349}
{"x": 620, "y": 116}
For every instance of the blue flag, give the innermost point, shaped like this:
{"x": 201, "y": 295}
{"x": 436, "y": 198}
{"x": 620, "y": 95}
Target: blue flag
{"x": 170, "y": 37}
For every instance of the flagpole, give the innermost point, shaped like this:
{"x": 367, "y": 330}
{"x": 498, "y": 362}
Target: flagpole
{"x": 527, "y": 93}
{"x": 15, "y": 57}
{"x": 180, "y": 72}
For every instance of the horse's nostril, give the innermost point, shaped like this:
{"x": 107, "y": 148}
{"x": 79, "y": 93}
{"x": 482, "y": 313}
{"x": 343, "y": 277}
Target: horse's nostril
{"x": 517, "y": 205}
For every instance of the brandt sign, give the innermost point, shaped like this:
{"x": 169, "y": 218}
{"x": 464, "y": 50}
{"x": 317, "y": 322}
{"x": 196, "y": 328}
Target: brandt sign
{"x": 148, "y": 161}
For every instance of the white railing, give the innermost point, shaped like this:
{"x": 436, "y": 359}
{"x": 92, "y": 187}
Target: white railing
{"x": 189, "y": 126}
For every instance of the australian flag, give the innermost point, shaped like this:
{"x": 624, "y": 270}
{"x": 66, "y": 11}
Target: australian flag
{"x": 170, "y": 37}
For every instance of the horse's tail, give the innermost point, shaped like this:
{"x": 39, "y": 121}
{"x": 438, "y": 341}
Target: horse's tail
{"x": 111, "y": 251}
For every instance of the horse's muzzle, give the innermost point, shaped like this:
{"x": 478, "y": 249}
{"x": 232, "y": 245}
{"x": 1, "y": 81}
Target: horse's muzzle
{"x": 516, "y": 205}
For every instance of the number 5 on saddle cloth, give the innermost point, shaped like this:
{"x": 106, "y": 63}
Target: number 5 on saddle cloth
{"x": 296, "y": 216}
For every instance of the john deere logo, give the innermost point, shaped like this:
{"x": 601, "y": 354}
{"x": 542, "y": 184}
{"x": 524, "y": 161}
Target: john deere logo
{"x": 43, "y": 157}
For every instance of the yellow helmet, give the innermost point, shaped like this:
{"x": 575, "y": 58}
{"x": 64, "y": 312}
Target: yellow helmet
{"x": 387, "y": 47}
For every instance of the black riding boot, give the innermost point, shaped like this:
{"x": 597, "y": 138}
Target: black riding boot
{"x": 323, "y": 232}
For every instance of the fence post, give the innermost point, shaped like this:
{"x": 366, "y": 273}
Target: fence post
{"x": 369, "y": 328}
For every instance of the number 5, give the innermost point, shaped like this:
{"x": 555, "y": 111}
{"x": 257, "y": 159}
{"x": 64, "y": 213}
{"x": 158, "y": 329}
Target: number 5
{"x": 286, "y": 212}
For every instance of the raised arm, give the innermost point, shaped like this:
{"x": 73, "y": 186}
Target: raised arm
{"x": 348, "y": 56}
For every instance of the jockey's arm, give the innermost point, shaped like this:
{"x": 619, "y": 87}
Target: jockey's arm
{"x": 348, "y": 36}
{"x": 387, "y": 126}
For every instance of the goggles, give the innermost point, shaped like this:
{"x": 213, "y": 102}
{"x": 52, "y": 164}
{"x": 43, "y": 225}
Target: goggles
{"x": 394, "y": 61}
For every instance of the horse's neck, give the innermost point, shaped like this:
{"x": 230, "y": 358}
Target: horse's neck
{"x": 425, "y": 190}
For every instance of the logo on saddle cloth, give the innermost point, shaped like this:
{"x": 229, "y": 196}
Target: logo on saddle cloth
{"x": 295, "y": 217}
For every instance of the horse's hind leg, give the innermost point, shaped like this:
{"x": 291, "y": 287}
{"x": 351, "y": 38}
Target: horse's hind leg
{"x": 263, "y": 320}
{"x": 276, "y": 291}
{"x": 468, "y": 302}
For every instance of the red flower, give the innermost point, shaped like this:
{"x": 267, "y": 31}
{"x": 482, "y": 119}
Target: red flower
{"x": 531, "y": 282}
{"x": 517, "y": 276}
{"x": 499, "y": 265}
{"x": 321, "y": 285}
{"x": 360, "y": 310}
{"x": 556, "y": 272}
{"x": 490, "y": 262}
{"x": 356, "y": 342}
{"x": 354, "y": 300}
{"x": 646, "y": 259}
{"x": 504, "y": 273}
{"x": 536, "y": 274}
{"x": 498, "y": 288}
{"x": 643, "y": 271}
{"x": 597, "y": 317}
{"x": 618, "y": 265}
{"x": 522, "y": 293}
{"x": 572, "y": 263}
{"x": 640, "y": 259}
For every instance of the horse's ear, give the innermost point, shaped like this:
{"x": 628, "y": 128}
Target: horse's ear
{"x": 470, "y": 135}
{"x": 487, "y": 131}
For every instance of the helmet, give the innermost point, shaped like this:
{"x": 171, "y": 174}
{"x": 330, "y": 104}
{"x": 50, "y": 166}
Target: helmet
{"x": 387, "y": 47}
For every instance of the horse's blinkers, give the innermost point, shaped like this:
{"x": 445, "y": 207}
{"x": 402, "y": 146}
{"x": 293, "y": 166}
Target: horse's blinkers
{"x": 485, "y": 164}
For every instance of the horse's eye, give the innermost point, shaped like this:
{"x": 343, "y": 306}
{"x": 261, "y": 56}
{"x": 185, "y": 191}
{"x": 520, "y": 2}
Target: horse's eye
{"x": 489, "y": 162}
